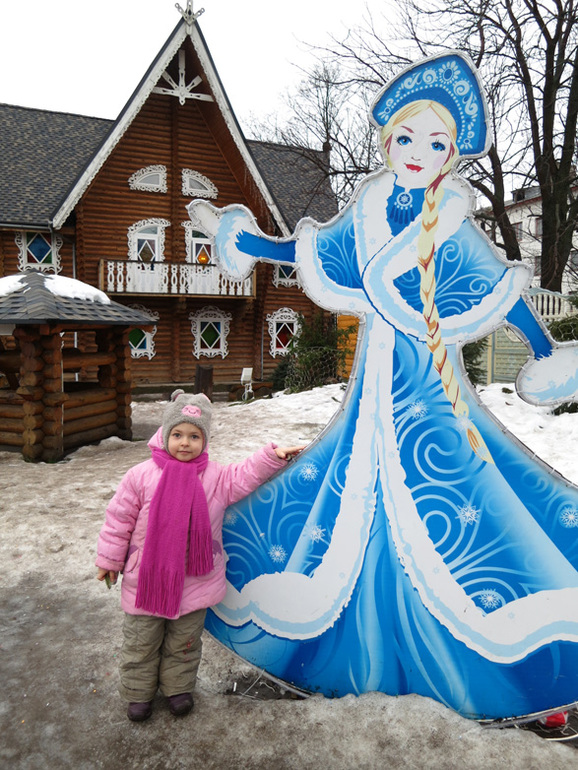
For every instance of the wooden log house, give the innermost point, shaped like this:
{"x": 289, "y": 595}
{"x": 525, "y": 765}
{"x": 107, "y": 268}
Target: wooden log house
{"x": 105, "y": 202}
{"x": 43, "y": 413}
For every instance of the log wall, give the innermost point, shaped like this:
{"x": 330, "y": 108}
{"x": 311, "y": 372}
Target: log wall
{"x": 43, "y": 418}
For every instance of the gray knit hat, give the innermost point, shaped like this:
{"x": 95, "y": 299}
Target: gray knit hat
{"x": 185, "y": 407}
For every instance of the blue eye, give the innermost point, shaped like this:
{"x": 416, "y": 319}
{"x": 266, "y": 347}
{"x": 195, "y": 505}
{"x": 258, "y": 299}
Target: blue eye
{"x": 438, "y": 146}
{"x": 403, "y": 139}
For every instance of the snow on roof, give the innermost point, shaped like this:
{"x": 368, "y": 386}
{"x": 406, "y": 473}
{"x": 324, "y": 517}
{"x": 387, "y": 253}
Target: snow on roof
{"x": 70, "y": 287}
{"x": 10, "y": 284}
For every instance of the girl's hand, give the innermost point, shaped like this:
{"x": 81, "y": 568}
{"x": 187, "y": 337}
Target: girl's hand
{"x": 287, "y": 453}
{"x": 108, "y": 575}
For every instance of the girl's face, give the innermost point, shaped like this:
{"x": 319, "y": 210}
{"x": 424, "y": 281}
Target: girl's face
{"x": 420, "y": 146}
{"x": 185, "y": 442}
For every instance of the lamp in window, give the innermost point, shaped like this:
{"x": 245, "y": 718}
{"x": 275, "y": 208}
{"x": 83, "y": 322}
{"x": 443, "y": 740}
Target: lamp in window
{"x": 203, "y": 256}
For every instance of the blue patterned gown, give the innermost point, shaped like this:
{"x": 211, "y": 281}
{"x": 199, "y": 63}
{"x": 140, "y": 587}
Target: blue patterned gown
{"x": 388, "y": 556}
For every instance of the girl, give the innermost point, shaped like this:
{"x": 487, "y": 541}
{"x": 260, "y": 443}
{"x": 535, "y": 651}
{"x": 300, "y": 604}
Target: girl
{"x": 424, "y": 549}
{"x": 163, "y": 531}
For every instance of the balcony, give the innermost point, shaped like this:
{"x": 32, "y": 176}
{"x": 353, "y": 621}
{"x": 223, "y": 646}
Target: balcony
{"x": 166, "y": 278}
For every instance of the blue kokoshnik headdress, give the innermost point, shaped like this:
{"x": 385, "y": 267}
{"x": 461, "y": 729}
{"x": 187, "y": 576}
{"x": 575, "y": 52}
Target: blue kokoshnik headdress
{"x": 451, "y": 80}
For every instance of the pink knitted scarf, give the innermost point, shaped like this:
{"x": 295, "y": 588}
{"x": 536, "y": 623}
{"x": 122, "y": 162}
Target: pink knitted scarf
{"x": 178, "y": 515}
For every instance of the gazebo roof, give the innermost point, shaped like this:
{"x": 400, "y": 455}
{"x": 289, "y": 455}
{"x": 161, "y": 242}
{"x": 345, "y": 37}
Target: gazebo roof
{"x": 40, "y": 298}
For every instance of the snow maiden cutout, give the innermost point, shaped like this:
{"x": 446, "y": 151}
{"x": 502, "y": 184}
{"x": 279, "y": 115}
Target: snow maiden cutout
{"x": 415, "y": 546}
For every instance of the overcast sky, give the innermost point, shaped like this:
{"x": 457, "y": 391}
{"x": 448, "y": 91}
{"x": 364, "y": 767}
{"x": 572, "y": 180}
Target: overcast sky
{"x": 87, "y": 57}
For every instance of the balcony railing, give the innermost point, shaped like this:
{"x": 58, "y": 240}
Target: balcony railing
{"x": 131, "y": 277}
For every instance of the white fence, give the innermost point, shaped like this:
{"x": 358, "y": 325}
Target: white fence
{"x": 131, "y": 277}
{"x": 507, "y": 353}
{"x": 550, "y": 304}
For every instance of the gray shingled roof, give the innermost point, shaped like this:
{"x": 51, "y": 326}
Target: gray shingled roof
{"x": 41, "y": 154}
{"x": 27, "y": 299}
{"x": 298, "y": 179}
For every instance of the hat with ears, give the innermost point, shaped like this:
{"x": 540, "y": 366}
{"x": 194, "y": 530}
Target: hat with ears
{"x": 185, "y": 407}
{"x": 451, "y": 80}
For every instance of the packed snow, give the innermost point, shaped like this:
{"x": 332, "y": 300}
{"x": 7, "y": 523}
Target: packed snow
{"x": 61, "y": 629}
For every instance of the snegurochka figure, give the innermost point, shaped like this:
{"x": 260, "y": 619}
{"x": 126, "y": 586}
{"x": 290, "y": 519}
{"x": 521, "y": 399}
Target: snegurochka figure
{"x": 416, "y": 546}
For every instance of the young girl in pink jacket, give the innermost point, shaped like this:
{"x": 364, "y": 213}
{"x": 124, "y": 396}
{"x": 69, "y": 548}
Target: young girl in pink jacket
{"x": 163, "y": 531}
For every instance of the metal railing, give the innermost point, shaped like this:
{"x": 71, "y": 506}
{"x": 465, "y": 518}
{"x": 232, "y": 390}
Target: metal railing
{"x": 132, "y": 277}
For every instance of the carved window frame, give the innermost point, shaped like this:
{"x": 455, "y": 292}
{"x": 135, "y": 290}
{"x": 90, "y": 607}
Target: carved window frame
{"x": 148, "y": 347}
{"x": 136, "y": 181}
{"x": 204, "y": 187}
{"x": 277, "y": 321}
{"x": 26, "y": 258}
{"x": 210, "y": 316}
{"x": 285, "y": 275}
{"x": 157, "y": 237}
{"x": 197, "y": 242}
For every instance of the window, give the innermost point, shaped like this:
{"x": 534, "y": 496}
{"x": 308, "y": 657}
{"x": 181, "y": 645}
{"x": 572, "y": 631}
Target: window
{"x": 149, "y": 179}
{"x": 538, "y": 227}
{"x": 283, "y": 326}
{"x": 199, "y": 246}
{"x": 285, "y": 275}
{"x": 141, "y": 342}
{"x": 146, "y": 241}
{"x": 210, "y": 328}
{"x": 39, "y": 251}
{"x": 198, "y": 186}
{"x": 519, "y": 232}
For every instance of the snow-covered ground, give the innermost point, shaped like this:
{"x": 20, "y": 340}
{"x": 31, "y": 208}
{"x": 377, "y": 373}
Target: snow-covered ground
{"x": 60, "y": 630}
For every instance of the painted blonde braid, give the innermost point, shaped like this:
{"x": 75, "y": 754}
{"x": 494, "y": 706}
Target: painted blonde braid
{"x": 426, "y": 267}
{"x": 435, "y": 343}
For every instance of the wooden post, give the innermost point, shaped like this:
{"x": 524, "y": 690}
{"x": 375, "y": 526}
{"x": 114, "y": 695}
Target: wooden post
{"x": 53, "y": 398}
{"x": 123, "y": 384}
{"x": 204, "y": 380}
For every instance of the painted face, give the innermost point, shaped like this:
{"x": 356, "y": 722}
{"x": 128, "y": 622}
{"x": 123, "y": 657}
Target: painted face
{"x": 185, "y": 442}
{"x": 419, "y": 148}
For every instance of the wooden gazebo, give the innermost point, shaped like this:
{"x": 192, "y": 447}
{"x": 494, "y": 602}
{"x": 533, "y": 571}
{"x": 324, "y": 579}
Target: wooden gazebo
{"x": 56, "y": 397}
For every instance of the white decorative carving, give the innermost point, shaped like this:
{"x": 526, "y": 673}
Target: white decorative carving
{"x": 159, "y": 237}
{"x": 284, "y": 317}
{"x": 26, "y": 261}
{"x": 206, "y": 316}
{"x": 188, "y": 14}
{"x": 148, "y": 349}
{"x": 182, "y": 90}
{"x": 285, "y": 275}
{"x": 193, "y": 238}
{"x": 138, "y": 180}
{"x": 132, "y": 277}
{"x": 197, "y": 185}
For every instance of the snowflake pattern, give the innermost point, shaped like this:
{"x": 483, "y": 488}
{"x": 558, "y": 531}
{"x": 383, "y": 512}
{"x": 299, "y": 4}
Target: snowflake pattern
{"x": 490, "y": 600}
{"x": 464, "y": 423}
{"x": 468, "y": 514}
{"x": 231, "y": 518}
{"x": 418, "y": 409}
{"x": 316, "y": 533}
{"x": 309, "y": 472}
{"x": 277, "y": 554}
{"x": 569, "y": 517}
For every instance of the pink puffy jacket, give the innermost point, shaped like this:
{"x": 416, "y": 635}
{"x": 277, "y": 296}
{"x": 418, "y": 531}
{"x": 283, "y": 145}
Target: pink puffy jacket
{"x": 122, "y": 536}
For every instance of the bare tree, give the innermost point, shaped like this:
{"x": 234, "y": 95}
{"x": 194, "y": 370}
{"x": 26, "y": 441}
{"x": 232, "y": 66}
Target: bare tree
{"x": 527, "y": 55}
{"x": 325, "y": 112}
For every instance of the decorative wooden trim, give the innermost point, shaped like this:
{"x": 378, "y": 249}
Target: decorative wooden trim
{"x": 206, "y": 190}
{"x": 135, "y": 180}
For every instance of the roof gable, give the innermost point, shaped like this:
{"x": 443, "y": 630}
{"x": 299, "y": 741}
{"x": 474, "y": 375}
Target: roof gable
{"x": 155, "y": 81}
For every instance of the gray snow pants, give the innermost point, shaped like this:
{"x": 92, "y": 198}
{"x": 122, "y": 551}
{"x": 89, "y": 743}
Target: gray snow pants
{"x": 160, "y": 653}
